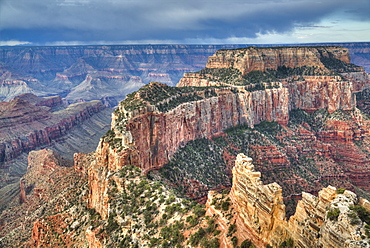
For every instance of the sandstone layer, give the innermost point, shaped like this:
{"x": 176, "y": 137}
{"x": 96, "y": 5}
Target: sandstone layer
{"x": 262, "y": 59}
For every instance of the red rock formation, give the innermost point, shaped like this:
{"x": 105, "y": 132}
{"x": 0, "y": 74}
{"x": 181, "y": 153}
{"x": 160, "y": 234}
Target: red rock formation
{"x": 259, "y": 206}
{"x": 49, "y": 189}
{"x": 155, "y": 136}
{"x": 261, "y": 59}
{"x": 306, "y": 92}
{"x": 148, "y": 138}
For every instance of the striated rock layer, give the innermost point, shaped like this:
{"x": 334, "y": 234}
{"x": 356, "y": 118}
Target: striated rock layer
{"x": 316, "y": 86}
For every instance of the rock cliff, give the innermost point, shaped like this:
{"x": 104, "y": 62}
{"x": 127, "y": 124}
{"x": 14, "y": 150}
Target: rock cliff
{"x": 262, "y": 59}
{"x": 152, "y": 123}
{"x": 152, "y": 133}
{"x": 52, "y": 101}
{"x": 29, "y": 122}
{"x": 46, "y": 189}
{"x": 308, "y": 73}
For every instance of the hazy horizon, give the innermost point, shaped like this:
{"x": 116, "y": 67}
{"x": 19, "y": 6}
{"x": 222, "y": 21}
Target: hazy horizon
{"x": 128, "y": 22}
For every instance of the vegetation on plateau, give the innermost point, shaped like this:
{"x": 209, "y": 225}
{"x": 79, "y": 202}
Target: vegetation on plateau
{"x": 165, "y": 97}
{"x": 337, "y": 65}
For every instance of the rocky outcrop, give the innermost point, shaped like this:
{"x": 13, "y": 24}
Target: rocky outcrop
{"x": 260, "y": 207}
{"x": 326, "y": 220}
{"x": 306, "y": 71}
{"x": 262, "y": 59}
{"x": 152, "y": 123}
{"x": 44, "y": 189}
{"x": 318, "y": 92}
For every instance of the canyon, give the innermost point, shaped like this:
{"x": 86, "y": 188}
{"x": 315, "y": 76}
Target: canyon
{"x": 109, "y": 73}
{"x": 299, "y": 120}
{"x": 29, "y": 123}
{"x": 227, "y": 106}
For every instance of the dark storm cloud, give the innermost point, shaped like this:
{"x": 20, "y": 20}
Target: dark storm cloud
{"x": 115, "y": 20}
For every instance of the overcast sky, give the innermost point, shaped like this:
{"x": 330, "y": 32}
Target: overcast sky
{"x": 70, "y": 22}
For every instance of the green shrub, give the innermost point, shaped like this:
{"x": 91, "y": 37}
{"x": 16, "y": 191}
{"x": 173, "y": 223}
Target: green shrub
{"x": 225, "y": 205}
{"x": 362, "y": 213}
{"x": 333, "y": 214}
{"x": 287, "y": 244}
{"x": 196, "y": 237}
{"x": 199, "y": 210}
{"x": 231, "y": 230}
{"x": 340, "y": 191}
{"x": 234, "y": 241}
{"x": 246, "y": 244}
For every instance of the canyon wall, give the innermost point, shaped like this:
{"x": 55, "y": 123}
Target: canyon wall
{"x": 148, "y": 138}
{"x": 155, "y": 135}
{"x": 310, "y": 89}
{"x": 107, "y": 73}
{"x": 25, "y": 127}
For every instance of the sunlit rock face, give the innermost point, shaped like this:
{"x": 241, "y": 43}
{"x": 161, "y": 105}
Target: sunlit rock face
{"x": 262, "y": 59}
{"x": 260, "y": 212}
{"x": 260, "y": 207}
